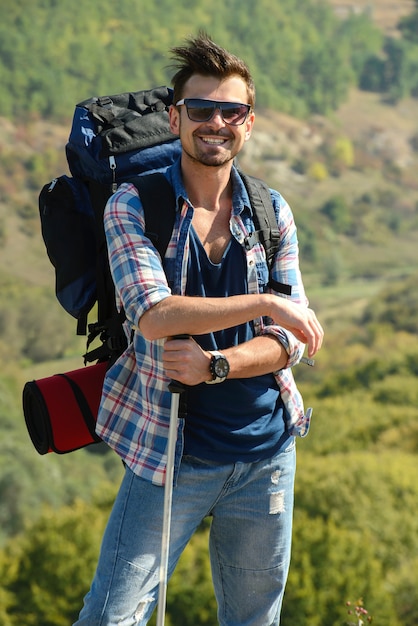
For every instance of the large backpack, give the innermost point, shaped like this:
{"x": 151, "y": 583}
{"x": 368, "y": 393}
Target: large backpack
{"x": 112, "y": 140}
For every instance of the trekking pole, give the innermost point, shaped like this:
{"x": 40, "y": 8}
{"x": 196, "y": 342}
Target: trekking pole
{"x": 176, "y": 388}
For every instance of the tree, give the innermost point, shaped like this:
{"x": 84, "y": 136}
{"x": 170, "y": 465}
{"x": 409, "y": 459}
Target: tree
{"x": 304, "y": 61}
{"x": 396, "y": 306}
{"x": 330, "y": 565}
{"x": 338, "y": 212}
{"x": 401, "y": 68}
{"x": 46, "y": 572}
{"x": 55, "y": 561}
{"x": 408, "y": 26}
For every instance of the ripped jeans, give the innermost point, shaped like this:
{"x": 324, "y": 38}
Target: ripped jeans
{"x": 251, "y": 505}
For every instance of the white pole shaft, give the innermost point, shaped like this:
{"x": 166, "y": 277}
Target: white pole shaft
{"x": 168, "y": 497}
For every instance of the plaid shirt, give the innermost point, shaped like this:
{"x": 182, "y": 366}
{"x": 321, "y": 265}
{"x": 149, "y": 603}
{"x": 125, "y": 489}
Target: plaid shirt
{"x": 134, "y": 414}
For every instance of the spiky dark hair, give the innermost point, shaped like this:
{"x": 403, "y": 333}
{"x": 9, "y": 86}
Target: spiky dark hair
{"x": 201, "y": 55}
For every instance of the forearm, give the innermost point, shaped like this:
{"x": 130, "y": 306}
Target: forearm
{"x": 186, "y": 361}
{"x": 261, "y": 355}
{"x": 178, "y": 315}
{"x": 182, "y": 315}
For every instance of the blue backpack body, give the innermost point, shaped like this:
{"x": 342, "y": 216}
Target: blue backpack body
{"x": 112, "y": 139}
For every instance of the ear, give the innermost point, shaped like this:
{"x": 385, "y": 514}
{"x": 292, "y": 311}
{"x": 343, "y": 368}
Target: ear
{"x": 249, "y": 123}
{"x": 174, "y": 117}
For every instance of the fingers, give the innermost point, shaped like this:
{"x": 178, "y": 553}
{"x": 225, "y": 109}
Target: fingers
{"x": 175, "y": 357}
{"x": 315, "y": 333}
{"x": 303, "y": 323}
{"x": 185, "y": 361}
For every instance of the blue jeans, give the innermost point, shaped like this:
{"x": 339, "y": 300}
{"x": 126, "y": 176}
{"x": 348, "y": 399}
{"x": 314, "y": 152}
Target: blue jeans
{"x": 250, "y": 539}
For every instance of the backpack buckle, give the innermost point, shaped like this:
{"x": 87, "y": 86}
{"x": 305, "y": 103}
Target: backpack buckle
{"x": 251, "y": 240}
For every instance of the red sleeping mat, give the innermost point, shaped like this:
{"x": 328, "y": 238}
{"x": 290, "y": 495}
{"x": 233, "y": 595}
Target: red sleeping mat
{"x": 61, "y": 410}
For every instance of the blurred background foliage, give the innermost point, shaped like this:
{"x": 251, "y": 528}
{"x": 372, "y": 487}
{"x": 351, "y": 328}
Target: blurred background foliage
{"x": 337, "y": 134}
{"x": 305, "y": 58}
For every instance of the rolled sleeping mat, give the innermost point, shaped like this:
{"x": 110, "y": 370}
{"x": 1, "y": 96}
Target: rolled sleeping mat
{"x": 61, "y": 410}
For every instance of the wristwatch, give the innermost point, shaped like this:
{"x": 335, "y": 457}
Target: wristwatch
{"x": 219, "y": 367}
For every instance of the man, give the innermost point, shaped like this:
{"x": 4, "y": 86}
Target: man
{"x": 235, "y": 457}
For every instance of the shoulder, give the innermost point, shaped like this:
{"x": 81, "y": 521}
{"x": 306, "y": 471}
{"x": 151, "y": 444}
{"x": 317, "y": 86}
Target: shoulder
{"x": 257, "y": 188}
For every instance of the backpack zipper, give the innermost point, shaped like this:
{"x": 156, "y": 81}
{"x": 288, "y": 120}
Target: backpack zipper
{"x": 52, "y": 185}
{"x": 112, "y": 165}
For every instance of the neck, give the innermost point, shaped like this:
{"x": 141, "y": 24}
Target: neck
{"x": 206, "y": 186}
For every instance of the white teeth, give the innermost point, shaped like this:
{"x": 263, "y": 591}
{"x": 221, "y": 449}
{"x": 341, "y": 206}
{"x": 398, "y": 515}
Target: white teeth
{"x": 213, "y": 141}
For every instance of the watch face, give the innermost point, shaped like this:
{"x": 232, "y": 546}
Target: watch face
{"x": 221, "y": 367}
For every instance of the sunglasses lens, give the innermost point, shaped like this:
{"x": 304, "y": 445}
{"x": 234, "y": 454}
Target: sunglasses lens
{"x": 234, "y": 113}
{"x": 202, "y": 111}
{"x": 199, "y": 111}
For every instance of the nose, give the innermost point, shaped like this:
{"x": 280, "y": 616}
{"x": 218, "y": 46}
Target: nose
{"x": 217, "y": 117}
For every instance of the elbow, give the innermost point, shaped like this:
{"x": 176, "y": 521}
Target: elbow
{"x": 148, "y": 328}
{"x": 151, "y": 323}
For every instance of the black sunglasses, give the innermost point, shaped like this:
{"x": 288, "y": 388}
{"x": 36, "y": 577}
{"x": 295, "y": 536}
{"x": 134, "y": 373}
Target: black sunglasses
{"x": 199, "y": 110}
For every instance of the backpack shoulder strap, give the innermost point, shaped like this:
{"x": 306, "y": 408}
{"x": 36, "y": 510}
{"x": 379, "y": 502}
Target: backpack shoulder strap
{"x": 159, "y": 203}
{"x": 265, "y": 222}
{"x": 267, "y": 230}
{"x": 158, "y": 200}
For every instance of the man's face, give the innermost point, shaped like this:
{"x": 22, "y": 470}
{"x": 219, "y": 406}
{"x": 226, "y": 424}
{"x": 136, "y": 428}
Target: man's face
{"x": 214, "y": 142}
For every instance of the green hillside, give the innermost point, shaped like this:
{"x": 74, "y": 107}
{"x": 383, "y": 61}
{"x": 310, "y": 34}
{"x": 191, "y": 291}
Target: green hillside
{"x": 304, "y": 61}
{"x": 341, "y": 145}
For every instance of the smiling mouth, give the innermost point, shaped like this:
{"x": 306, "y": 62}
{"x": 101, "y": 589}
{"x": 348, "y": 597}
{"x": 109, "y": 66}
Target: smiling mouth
{"x": 214, "y": 141}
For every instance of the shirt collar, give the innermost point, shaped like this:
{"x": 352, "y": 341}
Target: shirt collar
{"x": 240, "y": 198}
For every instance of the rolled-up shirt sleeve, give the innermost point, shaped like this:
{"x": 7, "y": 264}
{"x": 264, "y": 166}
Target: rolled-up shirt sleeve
{"x": 135, "y": 264}
{"x": 286, "y": 270}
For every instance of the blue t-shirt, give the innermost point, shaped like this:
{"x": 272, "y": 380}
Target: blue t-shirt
{"x": 239, "y": 419}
